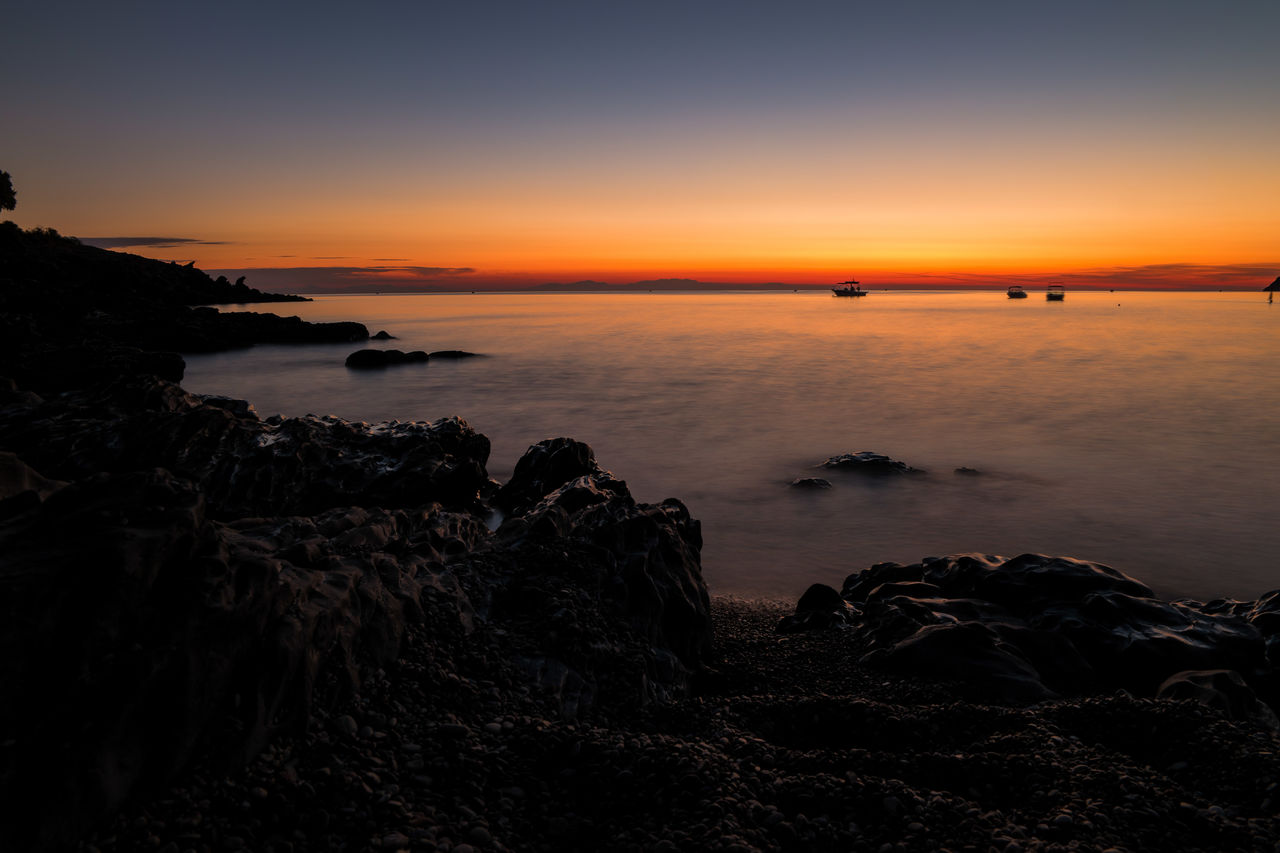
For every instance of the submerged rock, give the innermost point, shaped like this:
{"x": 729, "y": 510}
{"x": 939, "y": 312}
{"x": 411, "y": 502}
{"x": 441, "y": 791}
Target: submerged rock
{"x": 867, "y": 462}
{"x": 376, "y": 358}
{"x": 810, "y": 483}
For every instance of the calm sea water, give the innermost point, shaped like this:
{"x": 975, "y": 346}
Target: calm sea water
{"x": 1137, "y": 430}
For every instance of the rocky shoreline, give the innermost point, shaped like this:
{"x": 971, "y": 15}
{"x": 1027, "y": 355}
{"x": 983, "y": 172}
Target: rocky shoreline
{"x": 225, "y": 632}
{"x": 780, "y": 750}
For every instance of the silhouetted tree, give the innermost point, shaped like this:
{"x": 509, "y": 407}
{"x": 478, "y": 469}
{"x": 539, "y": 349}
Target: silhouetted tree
{"x": 8, "y": 198}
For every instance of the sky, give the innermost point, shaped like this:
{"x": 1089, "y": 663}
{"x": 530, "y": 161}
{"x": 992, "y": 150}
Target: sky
{"x": 416, "y": 145}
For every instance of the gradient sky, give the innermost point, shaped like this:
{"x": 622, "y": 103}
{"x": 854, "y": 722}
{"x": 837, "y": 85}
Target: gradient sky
{"x": 473, "y": 143}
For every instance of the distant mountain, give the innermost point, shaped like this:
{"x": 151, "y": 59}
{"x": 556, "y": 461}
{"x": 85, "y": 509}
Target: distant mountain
{"x": 585, "y": 284}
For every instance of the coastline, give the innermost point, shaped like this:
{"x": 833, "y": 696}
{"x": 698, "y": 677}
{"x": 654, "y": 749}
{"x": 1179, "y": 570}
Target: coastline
{"x": 318, "y": 648}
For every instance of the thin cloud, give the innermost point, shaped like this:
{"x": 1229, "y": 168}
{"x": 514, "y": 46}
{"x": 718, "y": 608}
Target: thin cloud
{"x": 150, "y": 242}
{"x": 1177, "y": 275}
{"x": 350, "y": 279}
{"x": 1174, "y": 276}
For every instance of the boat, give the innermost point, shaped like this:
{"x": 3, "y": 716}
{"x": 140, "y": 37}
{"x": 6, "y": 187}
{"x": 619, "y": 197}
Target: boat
{"x": 848, "y": 288}
{"x": 1055, "y": 293}
{"x": 1016, "y": 292}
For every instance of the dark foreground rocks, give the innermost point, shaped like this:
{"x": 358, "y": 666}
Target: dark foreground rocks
{"x": 1035, "y": 627}
{"x": 181, "y": 581}
{"x": 780, "y": 750}
{"x": 208, "y": 650}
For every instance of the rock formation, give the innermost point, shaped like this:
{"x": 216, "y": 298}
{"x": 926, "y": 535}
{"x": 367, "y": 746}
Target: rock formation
{"x": 1036, "y": 627}
{"x": 180, "y": 577}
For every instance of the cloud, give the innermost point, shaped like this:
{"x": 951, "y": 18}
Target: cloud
{"x": 151, "y": 242}
{"x": 350, "y": 279}
{"x": 1177, "y": 276}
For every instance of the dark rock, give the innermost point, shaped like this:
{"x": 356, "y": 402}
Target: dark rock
{"x": 866, "y": 462}
{"x": 244, "y": 466}
{"x": 545, "y": 467}
{"x": 965, "y": 651}
{"x": 968, "y": 472}
{"x": 181, "y": 633}
{"x": 820, "y": 607}
{"x": 1048, "y": 625}
{"x": 383, "y": 335}
{"x": 820, "y": 598}
{"x": 377, "y": 358}
{"x": 811, "y": 483}
{"x": 21, "y": 488}
{"x": 1222, "y": 689}
{"x": 454, "y": 354}
{"x": 643, "y": 586}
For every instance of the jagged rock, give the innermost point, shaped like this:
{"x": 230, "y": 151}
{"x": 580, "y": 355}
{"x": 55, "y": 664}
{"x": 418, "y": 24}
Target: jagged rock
{"x": 1035, "y": 626}
{"x": 244, "y": 466}
{"x": 866, "y": 462}
{"x": 545, "y": 467}
{"x": 641, "y": 594}
{"x": 375, "y": 358}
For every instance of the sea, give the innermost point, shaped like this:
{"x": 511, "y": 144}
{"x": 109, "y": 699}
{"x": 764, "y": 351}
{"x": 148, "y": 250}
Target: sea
{"x": 1140, "y": 430}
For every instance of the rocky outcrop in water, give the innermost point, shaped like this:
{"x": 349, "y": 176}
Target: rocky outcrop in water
{"x": 373, "y": 359}
{"x": 1035, "y": 627}
{"x": 867, "y": 462}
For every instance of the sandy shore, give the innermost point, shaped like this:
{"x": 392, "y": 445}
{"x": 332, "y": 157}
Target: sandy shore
{"x": 787, "y": 746}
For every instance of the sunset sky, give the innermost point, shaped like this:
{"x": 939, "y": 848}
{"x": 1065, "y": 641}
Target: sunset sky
{"x": 473, "y": 144}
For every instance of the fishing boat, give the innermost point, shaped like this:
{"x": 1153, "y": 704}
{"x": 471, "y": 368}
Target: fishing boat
{"x": 848, "y": 288}
{"x": 1055, "y": 293}
{"x": 1016, "y": 292}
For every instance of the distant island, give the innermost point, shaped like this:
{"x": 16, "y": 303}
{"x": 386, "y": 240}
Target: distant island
{"x": 683, "y": 284}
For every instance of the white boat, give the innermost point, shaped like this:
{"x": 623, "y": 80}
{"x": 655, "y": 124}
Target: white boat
{"x": 1055, "y": 293}
{"x": 1016, "y": 292}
